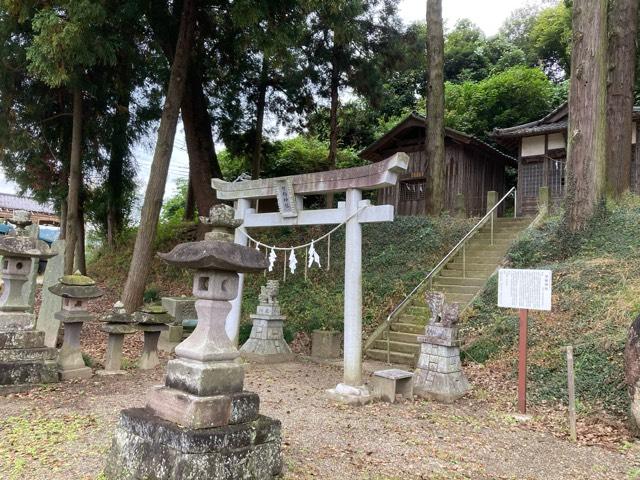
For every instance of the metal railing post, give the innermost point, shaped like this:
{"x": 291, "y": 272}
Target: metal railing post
{"x": 492, "y": 230}
{"x": 388, "y": 347}
{"x": 515, "y": 204}
{"x": 464, "y": 260}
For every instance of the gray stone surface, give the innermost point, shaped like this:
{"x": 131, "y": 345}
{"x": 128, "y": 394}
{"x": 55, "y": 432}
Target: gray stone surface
{"x": 389, "y": 383}
{"x": 439, "y": 374}
{"x": 326, "y": 344}
{"x": 181, "y": 309}
{"x": 266, "y": 344}
{"x": 117, "y": 324}
{"x": 147, "y": 447}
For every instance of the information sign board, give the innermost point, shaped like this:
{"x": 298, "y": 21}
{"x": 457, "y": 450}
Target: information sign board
{"x": 526, "y": 289}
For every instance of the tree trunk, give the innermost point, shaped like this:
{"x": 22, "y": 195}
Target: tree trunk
{"x": 256, "y": 159}
{"x": 434, "y": 142}
{"x": 189, "y": 201}
{"x": 203, "y": 162}
{"x": 74, "y": 183}
{"x": 80, "y": 261}
{"x": 63, "y": 220}
{"x": 143, "y": 250}
{"x": 333, "y": 121}
{"x": 586, "y": 142}
{"x": 623, "y": 27}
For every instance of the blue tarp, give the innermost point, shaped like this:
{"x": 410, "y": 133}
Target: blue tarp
{"x": 48, "y": 235}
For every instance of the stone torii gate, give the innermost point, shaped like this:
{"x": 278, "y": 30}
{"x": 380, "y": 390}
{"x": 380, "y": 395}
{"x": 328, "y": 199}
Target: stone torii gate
{"x": 289, "y": 192}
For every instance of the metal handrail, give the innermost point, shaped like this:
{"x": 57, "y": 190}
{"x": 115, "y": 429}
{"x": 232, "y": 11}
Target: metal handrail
{"x": 489, "y": 215}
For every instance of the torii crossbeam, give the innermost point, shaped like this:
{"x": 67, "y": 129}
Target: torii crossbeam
{"x": 289, "y": 192}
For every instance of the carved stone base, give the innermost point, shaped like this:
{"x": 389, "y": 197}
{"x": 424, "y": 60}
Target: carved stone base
{"x": 83, "y": 372}
{"x": 349, "y": 394}
{"x": 439, "y": 374}
{"x": 266, "y": 343}
{"x": 150, "y": 448}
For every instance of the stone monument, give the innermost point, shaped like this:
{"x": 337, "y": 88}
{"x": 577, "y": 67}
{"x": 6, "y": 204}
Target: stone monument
{"x": 266, "y": 343}
{"x": 24, "y": 359}
{"x": 152, "y": 320}
{"x": 439, "y": 374}
{"x": 201, "y": 423}
{"x": 117, "y": 324}
{"x": 50, "y": 303}
{"x": 75, "y": 291}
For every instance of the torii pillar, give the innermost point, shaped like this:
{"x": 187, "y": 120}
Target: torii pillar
{"x": 289, "y": 192}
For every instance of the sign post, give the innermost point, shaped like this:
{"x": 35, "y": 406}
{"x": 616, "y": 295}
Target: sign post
{"x": 525, "y": 290}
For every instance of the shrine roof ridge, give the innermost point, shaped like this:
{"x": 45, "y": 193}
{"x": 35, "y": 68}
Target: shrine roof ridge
{"x": 367, "y": 177}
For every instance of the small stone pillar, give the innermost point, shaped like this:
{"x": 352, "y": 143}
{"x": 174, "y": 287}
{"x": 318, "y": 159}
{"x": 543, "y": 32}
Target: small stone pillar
{"x": 461, "y": 209}
{"x": 75, "y": 291}
{"x": 181, "y": 309}
{"x": 492, "y": 199}
{"x": 544, "y": 200}
{"x": 24, "y": 359}
{"x": 117, "y": 324}
{"x": 266, "y": 343}
{"x": 201, "y": 423}
{"x": 152, "y": 320}
{"x": 439, "y": 374}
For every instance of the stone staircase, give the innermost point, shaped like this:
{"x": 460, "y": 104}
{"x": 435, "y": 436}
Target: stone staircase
{"x": 459, "y": 280}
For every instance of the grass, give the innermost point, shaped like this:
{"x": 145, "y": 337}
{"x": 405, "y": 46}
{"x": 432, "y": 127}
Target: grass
{"x": 36, "y": 438}
{"x": 596, "y": 296}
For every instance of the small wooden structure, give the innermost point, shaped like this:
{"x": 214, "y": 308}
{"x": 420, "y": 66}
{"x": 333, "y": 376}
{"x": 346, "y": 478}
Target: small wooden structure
{"x": 541, "y": 148}
{"x": 472, "y": 169}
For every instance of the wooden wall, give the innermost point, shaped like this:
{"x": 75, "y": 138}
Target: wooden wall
{"x": 469, "y": 170}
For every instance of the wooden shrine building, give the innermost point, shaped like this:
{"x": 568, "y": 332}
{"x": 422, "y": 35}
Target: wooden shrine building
{"x": 541, "y": 148}
{"x": 472, "y": 168}
{"x": 41, "y": 214}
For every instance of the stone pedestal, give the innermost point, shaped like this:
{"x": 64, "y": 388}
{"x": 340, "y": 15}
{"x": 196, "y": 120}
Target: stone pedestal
{"x": 24, "y": 359}
{"x": 266, "y": 343}
{"x": 70, "y": 362}
{"x": 152, "y": 320}
{"x": 439, "y": 374}
{"x": 326, "y": 344}
{"x": 201, "y": 423}
{"x": 75, "y": 291}
{"x": 117, "y": 324}
{"x": 50, "y": 303}
{"x": 181, "y": 309}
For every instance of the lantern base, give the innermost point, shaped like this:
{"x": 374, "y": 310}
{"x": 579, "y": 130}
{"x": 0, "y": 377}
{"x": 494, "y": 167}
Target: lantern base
{"x": 146, "y": 446}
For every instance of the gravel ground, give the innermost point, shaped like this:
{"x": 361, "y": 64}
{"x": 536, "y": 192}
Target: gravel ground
{"x": 64, "y": 431}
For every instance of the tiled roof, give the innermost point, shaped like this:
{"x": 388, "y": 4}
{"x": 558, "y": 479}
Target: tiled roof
{"x": 15, "y": 202}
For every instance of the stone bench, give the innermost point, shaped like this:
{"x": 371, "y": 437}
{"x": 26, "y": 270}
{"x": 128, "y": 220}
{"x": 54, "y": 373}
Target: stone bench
{"x": 389, "y": 383}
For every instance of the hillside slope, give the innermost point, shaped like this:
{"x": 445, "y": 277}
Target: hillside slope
{"x": 596, "y": 285}
{"x": 396, "y": 256}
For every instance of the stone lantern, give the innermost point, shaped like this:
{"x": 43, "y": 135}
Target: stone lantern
{"x": 152, "y": 320}
{"x": 76, "y": 290}
{"x": 117, "y": 324}
{"x": 201, "y": 423}
{"x": 24, "y": 359}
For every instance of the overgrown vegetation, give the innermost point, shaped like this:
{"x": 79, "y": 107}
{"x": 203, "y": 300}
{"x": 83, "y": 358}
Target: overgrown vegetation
{"x": 596, "y": 296}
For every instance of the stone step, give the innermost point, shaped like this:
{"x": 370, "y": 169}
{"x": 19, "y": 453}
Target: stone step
{"x": 413, "y": 319}
{"x": 478, "y": 282}
{"x": 418, "y": 311}
{"x": 407, "y": 328}
{"x": 496, "y": 236}
{"x": 477, "y": 260}
{"x": 484, "y": 273}
{"x": 463, "y": 298}
{"x": 394, "y": 357}
{"x": 11, "y": 355}
{"x": 458, "y": 289}
{"x": 471, "y": 268}
{"x": 398, "y": 347}
{"x": 401, "y": 337}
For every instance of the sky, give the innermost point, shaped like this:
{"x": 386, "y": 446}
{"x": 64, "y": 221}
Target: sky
{"x": 487, "y": 14}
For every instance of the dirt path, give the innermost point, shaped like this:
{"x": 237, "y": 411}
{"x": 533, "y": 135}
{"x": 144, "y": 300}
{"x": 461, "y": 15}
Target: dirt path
{"x": 63, "y": 432}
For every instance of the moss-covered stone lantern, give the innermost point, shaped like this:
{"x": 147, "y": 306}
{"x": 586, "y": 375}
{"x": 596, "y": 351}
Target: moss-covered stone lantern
{"x": 152, "y": 320}
{"x": 76, "y": 290}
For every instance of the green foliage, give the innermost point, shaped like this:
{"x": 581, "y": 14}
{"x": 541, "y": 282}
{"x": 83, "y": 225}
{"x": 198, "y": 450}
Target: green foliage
{"x": 550, "y": 38}
{"x": 300, "y": 154}
{"x": 515, "y": 96}
{"x": 173, "y": 208}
